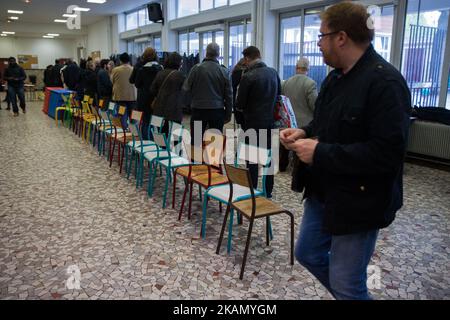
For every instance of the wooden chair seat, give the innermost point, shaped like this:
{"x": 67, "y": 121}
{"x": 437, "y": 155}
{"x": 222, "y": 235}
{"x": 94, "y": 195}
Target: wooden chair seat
{"x": 216, "y": 179}
{"x": 264, "y": 207}
{"x": 196, "y": 170}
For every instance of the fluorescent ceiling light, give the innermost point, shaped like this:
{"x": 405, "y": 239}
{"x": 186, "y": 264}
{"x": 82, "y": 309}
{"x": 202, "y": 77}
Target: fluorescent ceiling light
{"x": 96, "y": 1}
{"x": 60, "y": 20}
{"x": 47, "y": 37}
{"x": 3, "y": 35}
{"x": 14, "y": 18}
{"x": 53, "y": 34}
{"x": 68, "y": 15}
{"x": 81, "y": 9}
{"x": 15, "y": 11}
{"x": 8, "y": 32}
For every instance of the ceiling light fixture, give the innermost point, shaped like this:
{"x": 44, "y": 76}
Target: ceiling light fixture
{"x": 47, "y": 37}
{"x": 69, "y": 15}
{"x": 53, "y": 34}
{"x": 96, "y": 1}
{"x": 81, "y": 9}
{"x": 3, "y": 35}
{"x": 60, "y": 20}
{"x": 14, "y": 18}
{"x": 8, "y": 32}
{"x": 15, "y": 11}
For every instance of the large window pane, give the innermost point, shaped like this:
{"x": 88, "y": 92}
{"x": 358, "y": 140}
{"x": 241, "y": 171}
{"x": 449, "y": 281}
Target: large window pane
{"x": 157, "y": 44}
{"x": 194, "y": 43}
{"x": 317, "y": 68}
{"x": 248, "y": 39}
{"x": 187, "y": 7}
{"x": 448, "y": 91}
{"x": 207, "y": 38}
{"x": 220, "y": 3}
{"x": 143, "y": 17}
{"x": 130, "y": 46}
{"x": 183, "y": 43}
{"x": 237, "y": 1}
{"x": 206, "y": 4}
{"x": 383, "y": 32}
{"x": 289, "y": 46}
{"x": 132, "y": 20}
{"x": 219, "y": 39}
{"x": 423, "y": 49}
{"x": 236, "y": 44}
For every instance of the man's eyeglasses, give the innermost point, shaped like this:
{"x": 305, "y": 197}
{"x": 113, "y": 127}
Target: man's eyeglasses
{"x": 321, "y": 35}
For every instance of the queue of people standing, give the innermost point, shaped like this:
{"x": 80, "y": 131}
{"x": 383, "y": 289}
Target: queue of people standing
{"x": 348, "y": 152}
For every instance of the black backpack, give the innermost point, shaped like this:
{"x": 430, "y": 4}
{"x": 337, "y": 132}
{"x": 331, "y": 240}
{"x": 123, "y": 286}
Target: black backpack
{"x": 434, "y": 114}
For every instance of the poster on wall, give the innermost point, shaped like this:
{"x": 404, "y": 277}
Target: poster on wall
{"x": 96, "y": 54}
{"x": 27, "y": 61}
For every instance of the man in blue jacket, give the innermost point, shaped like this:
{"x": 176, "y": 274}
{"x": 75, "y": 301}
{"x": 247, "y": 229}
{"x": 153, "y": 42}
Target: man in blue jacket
{"x": 352, "y": 154}
{"x": 15, "y": 76}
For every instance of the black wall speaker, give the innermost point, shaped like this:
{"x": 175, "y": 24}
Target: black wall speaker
{"x": 155, "y": 12}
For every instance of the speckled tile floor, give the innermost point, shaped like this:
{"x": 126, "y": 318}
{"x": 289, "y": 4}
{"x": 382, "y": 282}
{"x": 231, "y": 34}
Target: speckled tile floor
{"x": 61, "y": 205}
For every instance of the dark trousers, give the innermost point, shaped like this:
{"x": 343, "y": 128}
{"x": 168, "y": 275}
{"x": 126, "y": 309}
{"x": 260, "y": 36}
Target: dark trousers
{"x": 253, "y": 168}
{"x": 129, "y": 105}
{"x": 145, "y": 128}
{"x": 284, "y": 158}
{"x": 20, "y": 93}
{"x": 209, "y": 118}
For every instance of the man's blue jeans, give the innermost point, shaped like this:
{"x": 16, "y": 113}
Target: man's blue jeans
{"x": 19, "y": 92}
{"x": 338, "y": 262}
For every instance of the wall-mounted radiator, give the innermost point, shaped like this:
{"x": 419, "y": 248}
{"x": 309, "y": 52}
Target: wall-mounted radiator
{"x": 429, "y": 139}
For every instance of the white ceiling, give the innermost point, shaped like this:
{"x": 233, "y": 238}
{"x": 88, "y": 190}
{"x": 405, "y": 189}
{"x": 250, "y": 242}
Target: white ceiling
{"x": 46, "y": 11}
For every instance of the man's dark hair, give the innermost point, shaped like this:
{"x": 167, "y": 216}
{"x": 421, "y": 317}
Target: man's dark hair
{"x": 56, "y": 61}
{"x": 12, "y": 59}
{"x": 124, "y": 58}
{"x": 83, "y": 63}
{"x": 351, "y": 18}
{"x": 104, "y": 63}
{"x": 252, "y": 53}
{"x": 174, "y": 60}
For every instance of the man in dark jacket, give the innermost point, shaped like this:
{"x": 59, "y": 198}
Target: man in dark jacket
{"x": 352, "y": 154}
{"x": 167, "y": 90}
{"x": 48, "y": 76}
{"x": 104, "y": 84}
{"x": 209, "y": 86}
{"x": 15, "y": 76}
{"x": 236, "y": 75}
{"x": 144, "y": 80}
{"x": 56, "y": 74}
{"x": 72, "y": 75}
{"x": 258, "y": 93}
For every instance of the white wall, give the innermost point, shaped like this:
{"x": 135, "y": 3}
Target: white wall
{"x": 47, "y": 50}
{"x": 99, "y": 38}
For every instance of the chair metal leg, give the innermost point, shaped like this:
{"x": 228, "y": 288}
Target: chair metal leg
{"x": 292, "y": 236}
{"x": 186, "y": 187}
{"x": 267, "y": 231}
{"x": 166, "y": 187}
{"x": 222, "y": 231}
{"x": 174, "y": 189}
{"x": 111, "y": 153}
{"x": 151, "y": 182}
{"x": 121, "y": 159}
{"x": 205, "y": 208}
{"x": 190, "y": 200}
{"x": 247, "y": 245}
{"x": 230, "y": 231}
